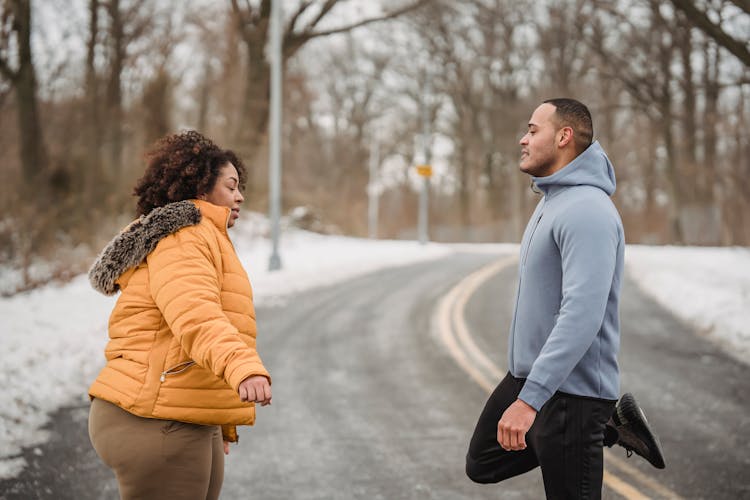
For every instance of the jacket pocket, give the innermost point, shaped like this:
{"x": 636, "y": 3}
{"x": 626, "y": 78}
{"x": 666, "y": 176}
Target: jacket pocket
{"x": 176, "y": 369}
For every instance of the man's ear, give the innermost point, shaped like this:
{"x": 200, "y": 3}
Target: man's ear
{"x": 565, "y": 136}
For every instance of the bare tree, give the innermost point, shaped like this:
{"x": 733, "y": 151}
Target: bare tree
{"x": 645, "y": 71}
{"x": 15, "y": 31}
{"x": 128, "y": 23}
{"x": 93, "y": 125}
{"x": 156, "y": 106}
{"x": 328, "y": 141}
{"x": 480, "y": 61}
{"x": 563, "y": 53}
{"x": 303, "y": 25}
{"x": 714, "y": 30}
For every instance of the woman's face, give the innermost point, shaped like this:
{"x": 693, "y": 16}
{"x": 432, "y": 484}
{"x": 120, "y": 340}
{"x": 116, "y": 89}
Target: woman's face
{"x": 226, "y": 192}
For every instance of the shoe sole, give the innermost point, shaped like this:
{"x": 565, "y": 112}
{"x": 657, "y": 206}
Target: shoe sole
{"x": 629, "y": 412}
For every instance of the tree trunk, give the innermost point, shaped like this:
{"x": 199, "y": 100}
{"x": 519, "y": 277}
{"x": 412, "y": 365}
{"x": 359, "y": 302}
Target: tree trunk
{"x": 94, "y": 174}
{"x": 463, "y": 194}
{"x": 157, "y": 107}
{"x": 204, "y": 98}
{"x": 114, "y": 90}
{"x": 33, "y": 151}
{"x": 699, "y": 190}
{"x": 675, "y": 191}
{"x": 253, "y": 120}
{"x": 665, "y": 52}
{"x": 609, "y": 100}
{"x": 650, "y": 183}
{"x": 688, "y": 89}
{"x": 710, "y": 114}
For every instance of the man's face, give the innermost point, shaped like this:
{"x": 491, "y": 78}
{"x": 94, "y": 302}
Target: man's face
{"x": 538, "y": 149}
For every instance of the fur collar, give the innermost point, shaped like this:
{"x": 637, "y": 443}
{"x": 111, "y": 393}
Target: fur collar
{"x": 137, "y": 240}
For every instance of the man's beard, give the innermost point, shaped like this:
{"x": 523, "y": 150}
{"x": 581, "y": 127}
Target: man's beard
{"x": 542, "y": 166}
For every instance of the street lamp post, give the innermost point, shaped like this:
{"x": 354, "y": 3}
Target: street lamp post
{"x": 274, "y": 156}
{"x": 373, "y": 189}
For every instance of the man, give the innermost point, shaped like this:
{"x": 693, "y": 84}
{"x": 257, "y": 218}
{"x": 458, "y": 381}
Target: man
{"x": 557, "y": 406}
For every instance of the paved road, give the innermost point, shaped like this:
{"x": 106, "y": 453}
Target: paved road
{"x": 368, "y": 403}
{"x": 695, "y": 396}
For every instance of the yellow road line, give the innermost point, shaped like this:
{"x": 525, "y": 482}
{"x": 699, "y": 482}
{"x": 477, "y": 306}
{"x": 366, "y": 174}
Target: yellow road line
{"x": 640, "y": 477}
{"x": 455, "y": 334}
{"x": 623, "y": 488}
{"x": 471, "y": 283}
{"x": 444, "y": 320}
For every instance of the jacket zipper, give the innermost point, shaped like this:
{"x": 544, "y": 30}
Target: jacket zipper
{"x": 176, "y": 369}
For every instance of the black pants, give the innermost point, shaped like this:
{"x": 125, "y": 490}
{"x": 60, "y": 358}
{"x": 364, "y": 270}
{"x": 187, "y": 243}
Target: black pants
{"x": 565, "y": 440}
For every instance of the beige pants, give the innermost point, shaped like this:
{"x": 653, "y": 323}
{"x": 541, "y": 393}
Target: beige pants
{"x": 162, "y": 459}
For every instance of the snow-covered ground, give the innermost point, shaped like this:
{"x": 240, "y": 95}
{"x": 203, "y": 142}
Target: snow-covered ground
{"x": 52, "y": 338}
{"x": 706, "y": 286}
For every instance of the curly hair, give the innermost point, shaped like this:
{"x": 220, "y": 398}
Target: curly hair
{"x": 181, "y": 167}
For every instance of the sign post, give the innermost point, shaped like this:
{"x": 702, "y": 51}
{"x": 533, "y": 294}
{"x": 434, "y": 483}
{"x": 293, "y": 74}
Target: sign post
{"x": 425, "y": 169}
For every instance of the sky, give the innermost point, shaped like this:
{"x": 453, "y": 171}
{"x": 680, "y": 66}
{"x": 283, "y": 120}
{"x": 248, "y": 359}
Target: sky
{"x": 52, "y": 338}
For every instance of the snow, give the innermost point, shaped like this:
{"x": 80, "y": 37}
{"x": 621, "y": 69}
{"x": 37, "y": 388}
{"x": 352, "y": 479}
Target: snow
{"x": 52, "y": 338}
{"x": 708, "y": 287}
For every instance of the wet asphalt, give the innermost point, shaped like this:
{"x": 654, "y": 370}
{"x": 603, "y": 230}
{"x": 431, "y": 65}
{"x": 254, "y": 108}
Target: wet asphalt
{"x": 368, "y": 403}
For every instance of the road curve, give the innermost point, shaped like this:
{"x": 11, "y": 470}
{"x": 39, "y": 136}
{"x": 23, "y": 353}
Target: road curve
{"x": 695, "y": 396}
{"x": 369, "y": 403}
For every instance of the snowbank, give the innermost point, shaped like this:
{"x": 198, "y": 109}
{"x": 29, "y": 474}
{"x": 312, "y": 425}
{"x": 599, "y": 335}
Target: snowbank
{"x": 708, "y": 287}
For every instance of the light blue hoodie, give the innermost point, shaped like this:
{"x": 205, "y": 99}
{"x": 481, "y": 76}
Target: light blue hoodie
{"x": 565, "y": 332}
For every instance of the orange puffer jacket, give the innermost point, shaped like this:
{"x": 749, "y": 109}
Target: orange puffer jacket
{"x": 182, "y": 334}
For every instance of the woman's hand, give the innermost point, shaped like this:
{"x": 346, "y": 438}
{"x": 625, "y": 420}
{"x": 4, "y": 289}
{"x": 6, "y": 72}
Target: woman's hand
{"x": 256, "y": 389}
{"x": 226, "y": 447}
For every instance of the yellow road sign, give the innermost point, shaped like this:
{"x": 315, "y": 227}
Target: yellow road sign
{"x": 424, "y": 170}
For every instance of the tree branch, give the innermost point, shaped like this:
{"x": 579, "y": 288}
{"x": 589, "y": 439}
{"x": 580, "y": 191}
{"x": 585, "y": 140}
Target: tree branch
{"x": 742, "y": 4}
{"x": 295, "y": 17}
{"x": 714, "y": 31}
{"x": 5, "y": 70}
{"x": 325, "y": 9}
{"x": 4, "y": 92}
{"x": 240, "y": 15}
{"x": 359, "y": 24}
{"x": 135, "y": 24}
{"x": 264, "y": 12}
{"x": 6, "y": 28}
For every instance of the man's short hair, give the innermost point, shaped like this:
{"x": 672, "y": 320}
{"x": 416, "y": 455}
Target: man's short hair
{"x": 574, "y": 114}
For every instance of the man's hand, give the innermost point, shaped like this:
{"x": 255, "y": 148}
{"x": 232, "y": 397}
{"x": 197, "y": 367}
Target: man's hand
{"x": 514, "y": 424}
{"x": 257, "y": 389}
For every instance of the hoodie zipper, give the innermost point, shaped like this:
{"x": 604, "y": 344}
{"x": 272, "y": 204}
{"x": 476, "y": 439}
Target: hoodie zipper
{"x": 531, "y": 237}
{"x": 176, "y": 369}
{"x": 518, "y": 294}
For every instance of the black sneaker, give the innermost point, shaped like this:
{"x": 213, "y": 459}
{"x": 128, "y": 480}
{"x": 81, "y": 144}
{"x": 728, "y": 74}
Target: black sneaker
{"x": 635, "y": 435}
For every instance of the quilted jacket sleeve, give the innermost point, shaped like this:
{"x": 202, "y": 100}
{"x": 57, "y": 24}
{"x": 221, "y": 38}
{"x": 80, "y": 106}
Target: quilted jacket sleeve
{"x": 229, "y": 433}
{"x": 185, "y": 286}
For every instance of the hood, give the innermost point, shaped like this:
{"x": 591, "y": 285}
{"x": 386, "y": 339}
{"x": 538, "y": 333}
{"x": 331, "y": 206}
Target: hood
{"x": 137, "y": 240}
{"x": 590, "y": 168}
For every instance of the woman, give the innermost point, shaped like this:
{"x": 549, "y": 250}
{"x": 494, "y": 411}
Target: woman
{"x": 182, "y": 369}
